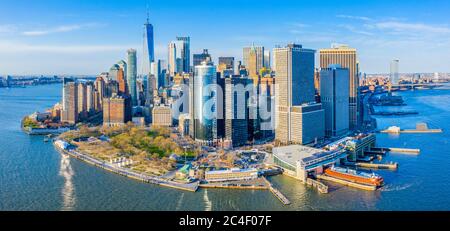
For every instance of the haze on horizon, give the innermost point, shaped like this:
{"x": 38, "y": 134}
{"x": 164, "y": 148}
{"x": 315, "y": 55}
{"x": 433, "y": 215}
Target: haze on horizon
{"x": 87, "y": 37}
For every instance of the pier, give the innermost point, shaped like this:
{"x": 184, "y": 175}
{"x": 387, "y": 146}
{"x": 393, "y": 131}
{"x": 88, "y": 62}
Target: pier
{"x": 277, "y": 193}
{"x": 321, "y": 187}
{"x": 347, "y": 183}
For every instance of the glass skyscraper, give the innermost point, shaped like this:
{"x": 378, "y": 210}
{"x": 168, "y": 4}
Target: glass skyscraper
{"x": 131, "y": 75}
{"x": 204, "y": 101}
{"x": 148, "y": 49}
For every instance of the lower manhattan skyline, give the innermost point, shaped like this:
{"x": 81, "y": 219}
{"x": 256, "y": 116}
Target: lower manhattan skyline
{"x": 84, "y": 37}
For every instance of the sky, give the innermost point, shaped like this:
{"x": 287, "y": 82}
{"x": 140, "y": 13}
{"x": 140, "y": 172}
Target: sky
{"x": 87, "y": 36}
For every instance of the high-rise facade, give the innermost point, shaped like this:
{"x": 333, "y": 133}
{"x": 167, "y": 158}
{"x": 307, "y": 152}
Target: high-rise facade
{"x": 148, "y": 55}
{"x": 259, "y": 53}
{"x": 394, "y": 76}
{"x": 132, "y": 75}
{"x": 172, "y": 58}
{"x": 82, "y": 100}
{"x": 334, "y": 93}
{"x": 237, "y": 116}
{"x": 70, "y": 101}
{"x": 116, "y": 110}
{"x": 199, "y": 58}
{"x": 184, "y": 48}
{"x": 346, "y": 57}
{"x": 299, "y": 119}
{"x": 203, "y": 102}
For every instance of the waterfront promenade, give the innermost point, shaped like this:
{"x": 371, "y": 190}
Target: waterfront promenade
{"x": 192, "y": 187}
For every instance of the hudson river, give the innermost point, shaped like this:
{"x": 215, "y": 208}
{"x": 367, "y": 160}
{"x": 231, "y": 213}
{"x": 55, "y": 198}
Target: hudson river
{"x": 33, "y": 176}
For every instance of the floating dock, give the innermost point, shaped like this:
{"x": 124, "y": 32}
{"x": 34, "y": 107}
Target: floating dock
{"x": 347, "y": 183}
{"x": 398, "y": 150}
{"x": 392, "y": 166}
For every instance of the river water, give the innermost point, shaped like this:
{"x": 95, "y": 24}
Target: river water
{"x": 33, "y": 176}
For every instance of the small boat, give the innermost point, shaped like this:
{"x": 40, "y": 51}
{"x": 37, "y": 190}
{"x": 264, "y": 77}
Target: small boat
{"x": 46, "y": 139}
{"x": 355, "y": 176}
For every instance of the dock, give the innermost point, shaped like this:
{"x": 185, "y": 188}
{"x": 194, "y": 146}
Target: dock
{"x": 256, "y": 184}
{"x": 347, "y": 183}
{"x": 321, "y": 187}
{"x": 398, "y": 150}
{"x": 277, "y": 193}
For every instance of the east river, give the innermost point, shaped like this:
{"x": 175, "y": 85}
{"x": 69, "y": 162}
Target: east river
{"x": 33, "y": 176}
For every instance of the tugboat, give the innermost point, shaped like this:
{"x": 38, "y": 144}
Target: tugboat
{"x": 355, "y": 176}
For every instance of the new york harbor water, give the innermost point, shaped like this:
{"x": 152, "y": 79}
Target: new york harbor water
{"x": 33, "y": 176}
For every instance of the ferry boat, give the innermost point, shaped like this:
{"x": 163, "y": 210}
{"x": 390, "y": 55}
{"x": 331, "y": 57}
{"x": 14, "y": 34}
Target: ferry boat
{"x": 355, "y": 176}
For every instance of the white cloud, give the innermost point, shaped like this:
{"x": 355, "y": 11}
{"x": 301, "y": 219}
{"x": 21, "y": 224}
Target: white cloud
{"x": 4, "y": 29}
{"x": 60, "y": 29}
{"x": 354, "y": 17}
{"x": 410, "y": 27}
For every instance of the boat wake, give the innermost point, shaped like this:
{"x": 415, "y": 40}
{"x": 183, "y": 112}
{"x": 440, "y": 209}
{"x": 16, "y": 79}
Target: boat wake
{"x": 391, "y": 188}
{"x": 180, "y": 202}
{"x": 68, "y": 189}
{"x": 208, "y": 203}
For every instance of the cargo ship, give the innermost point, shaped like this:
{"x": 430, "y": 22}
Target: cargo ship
{"x": 355, "y": 176}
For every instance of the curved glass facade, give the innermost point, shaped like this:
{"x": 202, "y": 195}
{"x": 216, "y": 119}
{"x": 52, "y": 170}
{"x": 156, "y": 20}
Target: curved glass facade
{"x": 131, "y": 75}
{"x": 205, "y": 82}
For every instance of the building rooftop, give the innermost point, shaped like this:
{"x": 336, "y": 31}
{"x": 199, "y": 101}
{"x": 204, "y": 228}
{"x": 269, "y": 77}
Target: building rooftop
{"x": 293, "y": 153}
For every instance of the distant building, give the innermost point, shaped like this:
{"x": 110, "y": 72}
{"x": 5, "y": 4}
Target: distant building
{"x": 116, "y": 110}
{"x": 162, "y": 116}
{"x": 123, "y": 86}
{"x": 185, "y": 53}
{"x": 334, "y": 93}
{"x": 82, "y": 101}
{"x": 132, "y": 75}
{"x": 226, "y": 63}
{"x": 394, "y": 76}
{"x": 183, "y": 124}
{"x": 172, "y": 58}
{"x": 99, "y": 93}
{"x": 148, "y": 53}
{"x": 299, "y": 119}
{"x": 259, "y": 53}
{"x": 267, "y": 101}
{"x": 199, "y": 58}
{"x": 346, "y": 57}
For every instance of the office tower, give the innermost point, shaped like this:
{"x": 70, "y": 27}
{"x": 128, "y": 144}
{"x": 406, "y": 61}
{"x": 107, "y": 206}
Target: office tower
{"x": 203, "y": 114}
{"x": 116, "y": 110}
{"x": 123, "y": 65}
{"x": 172, "y": 58}
{"x": 82, "y": 100}
{"x": 394, "y": 76}
{"x": 334, "y": 93}
{"x": 148, "y": 55}
{"x": 112, "y": 74}
{"x": 131, "y": 76}
{"x": 267, "y": 59}
{"x": 123, "y": 88}
{"x": 70, "y": 101}
{"x": 317, "y": 80}
{"x": 227, "y": 62}
{"x": 162, "y": 116}
{"x": 199, "y": 58}
{"x": 184, "y": 44}
{"x": 346, "y": 57}
{"x": 299, "y": 119}
{"x": 267, "y": 106}
{"x": 237, "y": 116}
{"x": 259, "y": 50}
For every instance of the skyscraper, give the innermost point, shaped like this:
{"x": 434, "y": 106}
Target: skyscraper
{"x": 199, "y": 58}
{"x": 148, "y": 55}
{"x": 267, "y": 59}
{"x": 299, "y": 119}
{"x": 346, "y": 57}
{"x": 70, "y": 101}
{"x": 131, "y": 76}
{"x": 237, "y": 116}
{"x": 259, "y": 52}
{"x": 185, "y": 53}
{"x": 394, "y": 76}
{"x": 203, "y": 105}
{"x": 334, "y": 93}
{"x": 172, "y": 58}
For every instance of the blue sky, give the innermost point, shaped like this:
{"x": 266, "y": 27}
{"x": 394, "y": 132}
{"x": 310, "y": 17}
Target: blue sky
{"x": 88, "y": 36}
